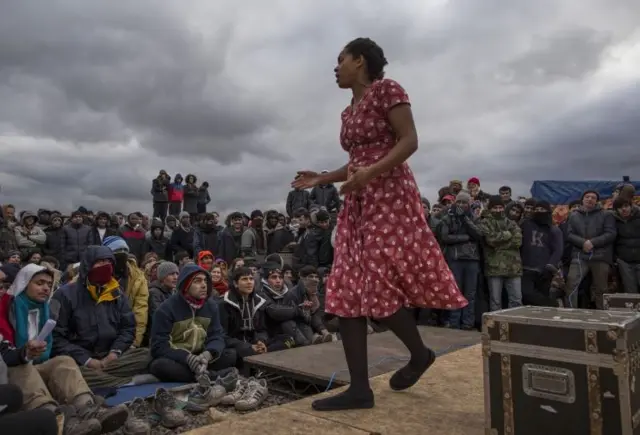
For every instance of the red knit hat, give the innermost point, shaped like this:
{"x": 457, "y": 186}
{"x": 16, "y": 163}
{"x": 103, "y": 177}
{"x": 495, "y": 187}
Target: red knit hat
{"x": 473, "y": 180}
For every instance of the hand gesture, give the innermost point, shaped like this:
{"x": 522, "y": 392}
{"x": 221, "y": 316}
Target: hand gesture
{"x": 35, "y": 348}
{"x": 111, "y": 357}
{"x": 305, "y": 180}
{"x": 95, "y": 364}
{"x": 358, "y": 179}
{"x": 587, "y": 246}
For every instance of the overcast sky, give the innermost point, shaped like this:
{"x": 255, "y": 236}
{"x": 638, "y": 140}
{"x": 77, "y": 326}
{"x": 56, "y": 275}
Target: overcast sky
{"x": 97, "y": 96}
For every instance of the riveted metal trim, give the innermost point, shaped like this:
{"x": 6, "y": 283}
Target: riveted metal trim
{"x": 593, "y": 385}
{"x": 504, "y": 331}
{"x": 507, "y": 394}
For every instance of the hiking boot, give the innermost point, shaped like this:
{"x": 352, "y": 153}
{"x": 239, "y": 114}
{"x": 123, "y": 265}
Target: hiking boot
{"x": 76, "y": 425}
{"x": 204, "y": 395}
{"x": 166, "y": 406}
{"x": 253, "y": 396}
{"x": 138, "y": 421}
{"x": 110, "y": 418}
{"x": 317, "y": 339}
{"x": 228, "y": 381}
{"x": 235, "y": 395}
{"x": 328, "y": 338}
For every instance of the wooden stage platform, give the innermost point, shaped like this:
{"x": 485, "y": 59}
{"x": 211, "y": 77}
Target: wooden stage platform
{"x": 324, "y": 365}
{"x": 448, "y": 400}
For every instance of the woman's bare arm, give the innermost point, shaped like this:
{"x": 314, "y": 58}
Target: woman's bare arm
{"x": 337, "y": 176}
{"x": 401, "y": 120}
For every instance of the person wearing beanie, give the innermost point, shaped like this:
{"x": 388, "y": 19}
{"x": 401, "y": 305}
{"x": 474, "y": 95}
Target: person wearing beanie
{"x": 460, "y": 239}
{"x": 455, "y": 186}
{"x": 627, "y": 245}
{"x": 541, "y": 252}
{"x": 205, "y": 260}
{"x": 160, "y": 195}
{"x": 502, "y": 262}
{"x": 159, "y": 291}
{"x": 156, "y": 240}
{"x": 254, "y": 238}
{"x": 182, "y": 237}
{"x": 132, "y": 281}
{"x": 134, "y": 234}
{"x": 187, "y": 339}
{"x": 592, "y": 234}
{"x": 205, "y": 237}
{"x": 297, "y": 198}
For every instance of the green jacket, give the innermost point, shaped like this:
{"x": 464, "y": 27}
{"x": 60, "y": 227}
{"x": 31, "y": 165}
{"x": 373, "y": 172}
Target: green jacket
{"x": 503, "y": 239}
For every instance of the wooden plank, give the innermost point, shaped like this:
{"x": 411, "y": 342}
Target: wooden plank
{"x": 325, "y": 363}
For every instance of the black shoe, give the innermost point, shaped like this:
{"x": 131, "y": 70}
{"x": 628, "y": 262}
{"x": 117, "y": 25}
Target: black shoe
{"x": 345, "y": 401}
{"x": 410, "y": 374}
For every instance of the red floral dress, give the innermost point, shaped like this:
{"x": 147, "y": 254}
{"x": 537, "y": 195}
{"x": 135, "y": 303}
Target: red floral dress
{"x": 385, "y": 254}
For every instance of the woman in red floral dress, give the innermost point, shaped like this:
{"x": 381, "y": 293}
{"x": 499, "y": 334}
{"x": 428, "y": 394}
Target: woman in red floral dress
{"x": 386, "y": 258}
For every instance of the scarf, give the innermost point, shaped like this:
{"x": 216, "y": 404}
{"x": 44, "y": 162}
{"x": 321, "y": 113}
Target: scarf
{"x": 106, "y": 293}
{"x": 24, "y": 307}
{"x": 221, "y": 287}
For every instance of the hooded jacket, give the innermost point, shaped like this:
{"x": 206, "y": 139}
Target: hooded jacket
{"x": 160, "y": 189}
{"x": 75, "y": 242}
{"x": 243, "y": 319}
{"x": 190, "y": 200}
{"x": 179, "y": 330}
{"x": 597, "y": 225}
{"x": 15, "y": 356}
{"x": 542, "y": 244}
{"x": 156, "y": 245}
{"x": 460, "y": 237}
{"x": 36, "y": 237}
{"x": 94, "y": 234}
{"x": 87, "y": 329}
{"x": 136, "y": 288}
{"x": 229, "y": 244}
{"x": 176, "y": 189}
{"x": 157, "y": 295}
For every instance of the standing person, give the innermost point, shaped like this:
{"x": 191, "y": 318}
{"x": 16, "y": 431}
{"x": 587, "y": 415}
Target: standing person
{"x": 190, "y": 201}
{"x": 203, "y": 197}
{"x": 386, "y": 257}
{"x": 160, "y": 193}
{"x": 176, "y": 195}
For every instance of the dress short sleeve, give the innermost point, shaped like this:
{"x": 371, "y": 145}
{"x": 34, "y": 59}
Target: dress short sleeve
{"x": 390, "y": 94}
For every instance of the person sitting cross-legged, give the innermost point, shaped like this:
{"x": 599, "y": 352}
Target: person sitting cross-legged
{"x": 96, "y": 326}
{"x": 243, "y": 317}
{"x": 187, "y": 339}
{"x": 46, "y": 381}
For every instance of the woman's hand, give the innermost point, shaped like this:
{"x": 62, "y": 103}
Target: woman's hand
{"x": 358, "y": 179}
{"x": 305, "y": 180}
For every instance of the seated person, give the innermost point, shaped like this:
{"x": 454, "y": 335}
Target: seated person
{"x": 243, "y": 317}
{"x": 12, "y": 421}
{"x": 306, "y": 294}
{"x": 46, "y": 381}
{"x": 284, "y": 316}
{"x": 205, "y": 260}
{"x": 160, "y": 290}
{"x": 186, "y": 337}
{"x": 219, "y": 278}
{"x": 133, "y": 283}
{"x": 96, "y": 326}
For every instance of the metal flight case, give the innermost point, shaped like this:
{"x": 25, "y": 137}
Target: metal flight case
{"x": 551, "y": 371}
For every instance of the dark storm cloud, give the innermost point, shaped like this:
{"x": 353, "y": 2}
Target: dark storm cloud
{"x": 110, "y": 71}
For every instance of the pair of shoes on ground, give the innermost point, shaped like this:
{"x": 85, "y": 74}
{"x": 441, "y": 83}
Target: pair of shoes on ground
{"x": 319, "y": 338}
{"x": 143, "y": 415}
{"x": 92, "y": 418}
{"x": 402, "y": 379}
{"x": 247, "y": 395}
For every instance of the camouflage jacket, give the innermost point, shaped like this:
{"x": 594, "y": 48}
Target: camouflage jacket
{"x": 503, "y": 239}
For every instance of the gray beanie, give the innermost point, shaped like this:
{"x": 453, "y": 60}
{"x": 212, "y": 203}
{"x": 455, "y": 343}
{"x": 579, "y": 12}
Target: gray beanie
{"x": 463, "y": 196}
{"x": 166, "y": 268}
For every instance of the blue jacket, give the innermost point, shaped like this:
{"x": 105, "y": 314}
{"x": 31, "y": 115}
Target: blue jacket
{"x": 86, "y": 329}
{"x": 179, "y": 330}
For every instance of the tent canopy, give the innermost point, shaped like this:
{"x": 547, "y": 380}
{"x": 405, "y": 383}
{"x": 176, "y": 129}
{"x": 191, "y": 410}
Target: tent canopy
{"x": 563, "y": 192}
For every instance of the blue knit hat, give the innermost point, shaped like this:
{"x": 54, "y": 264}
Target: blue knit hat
{"x": 116, "y": 244}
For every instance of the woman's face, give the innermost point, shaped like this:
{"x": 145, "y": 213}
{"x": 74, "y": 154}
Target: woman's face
{"x": 347, "y": 69}
{"x": 216, "y": 274}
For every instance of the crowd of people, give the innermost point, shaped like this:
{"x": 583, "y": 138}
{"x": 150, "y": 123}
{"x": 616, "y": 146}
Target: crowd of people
{"x": 176, "y": 296}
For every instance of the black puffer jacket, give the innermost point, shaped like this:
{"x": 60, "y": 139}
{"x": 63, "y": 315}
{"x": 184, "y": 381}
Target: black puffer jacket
{"x": 297, "y": 199}
{"x": 627, "y": 246}
{"x": 460, "y": 237}
{"x": 325, "y": 196}
{"x": 160, "y": 189}
{"x": 190, "y": 199}
{"x": 75, "y": 242}
{"x": 54, "y": 243}
{"x": 597, "y": 225}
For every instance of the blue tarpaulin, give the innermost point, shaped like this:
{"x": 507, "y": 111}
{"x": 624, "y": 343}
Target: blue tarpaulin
{"x": 563, "y": 192}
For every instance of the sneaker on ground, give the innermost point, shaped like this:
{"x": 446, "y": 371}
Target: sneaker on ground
{"x": 166, "y": 406}
{"x": 229, "y": 380}
{"x": 204, "y": 395}
{"x": 138, "y": 422}
{"x": 110, "y": 419}
{"x": 231, "y": 398}
{"x": 253, "y": 396}
{"x": 328, "y": 338}
{"x": 76, "y": 425}
{"x": 317, "y": 339}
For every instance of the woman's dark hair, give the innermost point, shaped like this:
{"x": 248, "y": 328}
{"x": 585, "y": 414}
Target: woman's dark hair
{"x": 372, "y": 54}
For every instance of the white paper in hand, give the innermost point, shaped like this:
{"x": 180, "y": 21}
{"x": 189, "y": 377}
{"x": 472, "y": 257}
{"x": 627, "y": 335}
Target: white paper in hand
{"x": 46, "y": 330}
